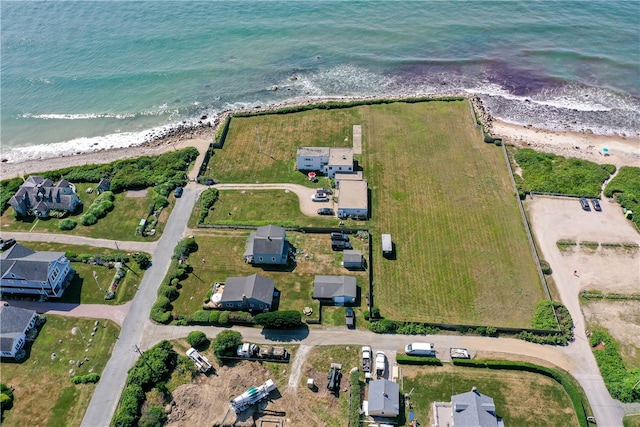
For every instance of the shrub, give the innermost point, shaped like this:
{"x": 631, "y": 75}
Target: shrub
{"x": 200, "y": 317}
{"x": 214, "y": 316}
{"x": 545, "y": 267}
{"x": 223, "y": 319}
{"x": 170, "y": 292}
{"x": 153, "y": 365}
{"x": 383, "y": 326}
{"x": 142, "y": 259}
{"x": 207, "y": 296}
{"x": 365, "y": 314}
{"x": 153, "y": 416}
{"x": 6, "y": 397}
{"x": 619, "y": 381}
{"x": 84, "y": 379}
{"x": 544, "y": 316}
{"x": 184, "y": 248}
{"x": 625, "y": 187}
{"x": 197, "y": 339}
{"x": 8, "y": 188}
{"x": 355, "y": 392}
{"x": 375, "y": 313}
{"x": 67, "y": 224}
{"x": 279, "y": 319}
{"x": 226, "y": 342}
{"x": 88, "y": 219}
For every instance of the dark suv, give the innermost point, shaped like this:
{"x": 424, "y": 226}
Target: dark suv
{"x": 340, "y": 245}
{"x": 339, "y": 236}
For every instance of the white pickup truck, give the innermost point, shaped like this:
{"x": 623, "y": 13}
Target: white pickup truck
{"x": 381, "y": 364}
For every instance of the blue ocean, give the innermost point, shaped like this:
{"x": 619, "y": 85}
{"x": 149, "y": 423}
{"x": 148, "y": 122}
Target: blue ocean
{"x": 79, "y": 75}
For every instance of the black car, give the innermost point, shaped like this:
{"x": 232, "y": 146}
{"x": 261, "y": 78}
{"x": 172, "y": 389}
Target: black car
{"x": 339, "y": 236}
{"x": 340, "y": 245}
{"x": 178, "y": 191}
{"x": 324, "y": 190}
{"x": 325, "y": 211}
{"x": 6, "y": 244}
{"x": 596, "y": 205}
{"x": 585, "y": 204}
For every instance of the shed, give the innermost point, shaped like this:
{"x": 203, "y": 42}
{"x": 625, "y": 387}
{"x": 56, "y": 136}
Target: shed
{"x": 387, "y": 244}
{"x": 352, "y": 259}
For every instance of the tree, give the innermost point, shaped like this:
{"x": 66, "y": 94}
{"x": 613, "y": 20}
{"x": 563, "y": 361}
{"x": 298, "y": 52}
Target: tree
{"x": 143, "y": 260}
{"x": 196, "y": 339}
{"x": 226, "y": 342}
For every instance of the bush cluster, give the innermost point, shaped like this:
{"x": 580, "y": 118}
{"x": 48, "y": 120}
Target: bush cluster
{"x": 67, "y": 224}
{"x": 207, "y": 199}
{"x": 355, "y": 390}
{"x": 8, "y": 188}
{"x": 279, "y": 319}
{"x": 142, "y": 259}
{"x": 216, "y": 318}
{"x": 6, "y": 397}
{"x": 98, "y": 259}
{"x": 226, "y": 343}
{"x": 385, "y": 326}
{"x": 403, "y": 359}
{"x": 184, "y": 248}
{"x": 544, "y": 319}
{"x": 619, "y": 381}
{"x": 548, "y": 173}
{"x": 84, "y": 379}
{"x": 102, "y": 205}
{"x": 625, "y": 187}
{"x": 196, "y": 339}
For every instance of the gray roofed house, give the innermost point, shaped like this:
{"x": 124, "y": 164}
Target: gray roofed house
{"x": 15, "y": 322}
{"x": 474, "y": 409}
{"x": 38, "y": 195}
{"x": 267, "y": 245}
{"x": 340, "y": 290}
{"x": 251, "y": 293}
{"x": 384, "y": 399}
{"x": 27, "y": 272}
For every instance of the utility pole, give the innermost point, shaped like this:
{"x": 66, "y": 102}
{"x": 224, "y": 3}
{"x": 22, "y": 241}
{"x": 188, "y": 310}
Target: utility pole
{"x": 95, "y": 277}
{"x": 137, "y": 350}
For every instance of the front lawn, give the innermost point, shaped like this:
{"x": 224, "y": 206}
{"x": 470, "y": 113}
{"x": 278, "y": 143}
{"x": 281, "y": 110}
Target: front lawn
{"x": 222, "y": 252}
{"x": 44, "y": 394}
{"x": 521, "y": 398}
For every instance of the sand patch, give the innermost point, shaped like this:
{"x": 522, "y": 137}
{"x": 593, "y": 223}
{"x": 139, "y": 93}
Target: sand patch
{"x": 137, "y": 193}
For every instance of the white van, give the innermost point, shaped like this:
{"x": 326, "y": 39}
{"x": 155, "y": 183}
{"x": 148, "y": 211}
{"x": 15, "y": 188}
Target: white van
{"x": 420, "y": 349}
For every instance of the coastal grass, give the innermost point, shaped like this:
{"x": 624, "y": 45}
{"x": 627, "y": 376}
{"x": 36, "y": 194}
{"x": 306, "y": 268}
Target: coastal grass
{"x": 461, "y": 252}
{"x": 222, "y": 251}
{"x": 119, "y": 224}
{"x": 260, "y": 207}
{"x": 44, "y": 394}
{"x": 625, "y": 187}
{"x": 83, "y": 288}
{"x": 521, "y": 398}
{"x": 262, "y": 149}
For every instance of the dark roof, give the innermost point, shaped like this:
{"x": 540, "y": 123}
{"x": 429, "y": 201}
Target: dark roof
{"x": 41, "y": 194}
{"x": 266, "y": 240}
{"x": 13, "y": 322}
{"x": 104, "y": 184}
{"x": 473, "y": 409}
{"x": 384, "y": 397}
{"x": 255, "y": 286}
{"x": 334, "y": 286}
{"x": 23, "y": 263}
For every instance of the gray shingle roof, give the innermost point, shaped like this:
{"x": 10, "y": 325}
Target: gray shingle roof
{"x": 266, "y": 240}
{"x": 254, "y": 286}
{"x": 352, "y": 256}
{"x": 13, "y": 322}
{"x": 334, "y": 286}
{"x": 384, "y": 396}
{"x": 23, "y": 263}
{"x": 473, "y": 409}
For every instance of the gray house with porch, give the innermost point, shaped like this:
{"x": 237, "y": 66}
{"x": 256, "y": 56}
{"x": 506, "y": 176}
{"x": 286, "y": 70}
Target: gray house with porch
{"x": 37, "y": 196}
{"x": 384, "y": 399}
{"x": 339, "y": 290}
{"x": 474, "y": 409}
{"x": 251, "y": 293}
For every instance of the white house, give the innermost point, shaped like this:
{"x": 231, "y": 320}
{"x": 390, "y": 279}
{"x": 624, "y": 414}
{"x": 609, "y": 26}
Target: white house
{"x": 353, "y": 200}
{"x": 14, "y": 324}
{"x": 27, "y": 272}
{"x": 329, "y": 161}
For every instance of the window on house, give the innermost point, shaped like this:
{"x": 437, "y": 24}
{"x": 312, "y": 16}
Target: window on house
{"x": 273, "y": 258}
{"x": 340, "y": 168}
{"x": 260, "y": 258}
{"x": 263, "y": 306}
{"x": 229, "y": 304}
{"x": 55, "y": 273}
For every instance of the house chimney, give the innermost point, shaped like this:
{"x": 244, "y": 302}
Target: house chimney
{"x": 268, "y": 237}
{"x": 474, "y": 389}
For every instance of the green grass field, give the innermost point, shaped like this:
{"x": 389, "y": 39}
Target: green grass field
{"x": 223, "y": 250}
{"x": 445, "y": 197}
{"x": 119, "y": 224}
{"x": 521, "y": 398}
{"x": 260, "y": 206}
{"x": 631, "y": 421}
{"x": 83, "y": 289}
{"x": 44, "y": 394}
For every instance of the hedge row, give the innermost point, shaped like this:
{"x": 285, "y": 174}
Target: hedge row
{"x": 403, "y": 359}
{"x": 619, "y": 381}
{"x": 544, "y": 318}
{"x": 8, "y": 188}
{"x": 578, "y": 399}
{"x": 207, "y": 199}
{"x": 153, "y": 366}
{"x": 355, "y": 390}
{"x": 99, "y": 259}
{"x": 102, "y": 205}
{"x": 215, "y": 318}
{"x": 84, "y": 379}
{"x": 625, "y": 187}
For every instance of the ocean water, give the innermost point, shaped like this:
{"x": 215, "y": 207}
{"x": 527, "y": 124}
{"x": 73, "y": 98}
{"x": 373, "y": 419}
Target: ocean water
{"x": 79, "y": 76}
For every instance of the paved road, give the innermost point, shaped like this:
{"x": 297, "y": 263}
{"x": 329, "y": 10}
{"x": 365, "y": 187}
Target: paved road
{"x": 148, "y": 247}
{"x": 105, "y": 398}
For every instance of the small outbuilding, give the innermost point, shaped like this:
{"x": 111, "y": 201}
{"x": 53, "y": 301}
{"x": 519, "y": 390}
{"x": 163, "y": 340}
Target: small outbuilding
{"x": 387, "y": 244}
{"x": 339, "y": 290}
{"x": 352, "y": 259}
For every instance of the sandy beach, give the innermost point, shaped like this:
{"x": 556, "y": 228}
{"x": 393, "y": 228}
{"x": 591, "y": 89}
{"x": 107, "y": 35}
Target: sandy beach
{"x": 617, "y": 150}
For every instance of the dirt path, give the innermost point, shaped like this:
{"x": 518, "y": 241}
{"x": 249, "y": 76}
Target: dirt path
{"x": 148, "y": 247}
{"x": 296, "y": 366}
{"x": 117, "y": 313}
{"x": 307, "y": 206}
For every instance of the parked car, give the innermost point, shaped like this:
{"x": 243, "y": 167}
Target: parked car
{"x": 178, "y": 191}
{"x": 320, "y": 197}
{"x": 324, "y": 190}
{"x": 350, "y": 318}
{"x": 6, "y": 244}
{"x": 325, "y": 211}
{"x": 585, "y": 204}
{"x": 596, "y": 205}
{"x": 340, "y": 245}
{"x": 420, "y": 349}
{"x": 339, "y": 236}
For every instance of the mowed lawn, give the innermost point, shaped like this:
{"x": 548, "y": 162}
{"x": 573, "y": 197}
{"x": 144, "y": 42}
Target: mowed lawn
{"x": 222, "y": 251}
{"x": 44, "y": 394}
{"x": 445, "y": 196}
{"x": 242, "y": 161}
{"x": 119, "y": 224}
{"x": 521, "y": 398}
